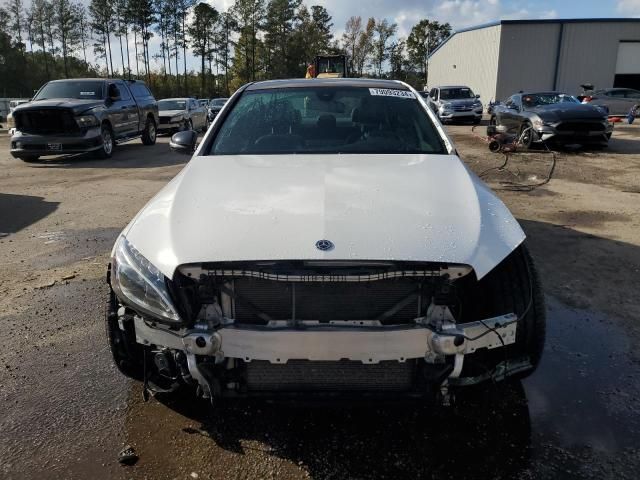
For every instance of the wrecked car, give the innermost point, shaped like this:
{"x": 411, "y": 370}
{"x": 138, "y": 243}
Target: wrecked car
{"x": 84, "y": 115}
{"x": 326, "y": 240}
{"x": 552, "y": 117}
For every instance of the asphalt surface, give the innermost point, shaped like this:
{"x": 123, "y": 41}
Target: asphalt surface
{"x": 67, "y": 412}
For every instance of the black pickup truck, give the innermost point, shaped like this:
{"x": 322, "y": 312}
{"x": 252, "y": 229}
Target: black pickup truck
{"x": 84, "y": 115}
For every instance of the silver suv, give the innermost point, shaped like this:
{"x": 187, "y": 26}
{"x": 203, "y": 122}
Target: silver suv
{"x": 455, "y": 103}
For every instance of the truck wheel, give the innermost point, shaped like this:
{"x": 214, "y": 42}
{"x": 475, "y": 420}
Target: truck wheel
{"x": 127, "y": 355}
{"x": 513, "y": 286}
{"x": 108, "y": 143}
{"x": 149, "y": 133}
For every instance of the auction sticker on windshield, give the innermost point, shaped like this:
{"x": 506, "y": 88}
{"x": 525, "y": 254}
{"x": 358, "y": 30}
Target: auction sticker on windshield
{"x": 387, "y": 92}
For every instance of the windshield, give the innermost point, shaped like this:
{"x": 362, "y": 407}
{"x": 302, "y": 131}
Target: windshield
{"x": 538, "y": 99}
{"x": 455, "y": 93}
{"x": 330, "y": 65}
{"x": 71, "y": 89}
{"x": 172, "y": 105}
{"x": 327, "y": 120}
{"x": 218, "y": 102}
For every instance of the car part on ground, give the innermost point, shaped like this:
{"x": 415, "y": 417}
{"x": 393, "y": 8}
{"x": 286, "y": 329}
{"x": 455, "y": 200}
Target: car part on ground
{"x": 71, "y": 116}
{"x": 342, "y": 286}
{"x": 552, "y": 117}
{"x": 455, "y": 103}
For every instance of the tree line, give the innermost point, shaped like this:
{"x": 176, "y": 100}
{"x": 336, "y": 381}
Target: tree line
{"x": 153, "y": 40}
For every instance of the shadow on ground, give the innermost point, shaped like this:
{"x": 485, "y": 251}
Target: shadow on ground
{"x": 132, "y": 155}
{"x": 20, "y": 211}
{"x": 490, "y": 428}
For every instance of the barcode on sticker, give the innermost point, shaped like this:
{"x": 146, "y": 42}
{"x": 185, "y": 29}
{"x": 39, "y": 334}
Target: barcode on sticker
{"x": 388, "y": 92}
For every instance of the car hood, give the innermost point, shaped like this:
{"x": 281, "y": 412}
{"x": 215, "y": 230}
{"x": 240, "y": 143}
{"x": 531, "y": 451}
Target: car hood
{"x": 171, "y": 113}
{"x": 372, "y": 207}
{"x": 568, "y": 111}
{"x": 77, "y": 105}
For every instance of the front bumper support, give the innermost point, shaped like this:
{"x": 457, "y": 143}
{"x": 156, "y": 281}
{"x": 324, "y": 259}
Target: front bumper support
{"x": 333, "y": 343}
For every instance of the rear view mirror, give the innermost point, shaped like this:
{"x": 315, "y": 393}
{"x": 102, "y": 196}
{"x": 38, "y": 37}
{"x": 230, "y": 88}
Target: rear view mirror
{"x": 477, "y": 96}
{"x": 184, "y": 142}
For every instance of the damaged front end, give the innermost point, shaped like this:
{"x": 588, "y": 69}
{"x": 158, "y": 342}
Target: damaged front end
{"x": 329, "y": 328}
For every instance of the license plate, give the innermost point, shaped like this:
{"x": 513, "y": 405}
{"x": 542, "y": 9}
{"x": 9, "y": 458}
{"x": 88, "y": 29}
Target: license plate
{"x": 54, "y": 146}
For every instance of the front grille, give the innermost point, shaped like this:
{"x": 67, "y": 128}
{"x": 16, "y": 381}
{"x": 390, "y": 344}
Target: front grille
{"x": 46, "y": 121}
{"x": 165, "y": 120}
{"x": 581, "y": 127}
{"x": 390, "y": 300}
{"x": 462, "y": 108}
{"x": 341, "y": 376}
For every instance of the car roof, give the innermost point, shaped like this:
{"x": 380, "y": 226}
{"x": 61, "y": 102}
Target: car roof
{"x": 177, "y": 98}
{"x": 453, "y": 86}
{"x": 328, "y": 82}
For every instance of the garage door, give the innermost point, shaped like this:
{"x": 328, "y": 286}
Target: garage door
{"x": 628, "y": 65}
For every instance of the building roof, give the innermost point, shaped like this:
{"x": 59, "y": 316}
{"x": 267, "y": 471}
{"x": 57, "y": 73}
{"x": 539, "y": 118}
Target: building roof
{"x": 534, "y": 21}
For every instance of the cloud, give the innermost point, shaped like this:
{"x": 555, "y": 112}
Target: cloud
{"x": 631, "y": 7}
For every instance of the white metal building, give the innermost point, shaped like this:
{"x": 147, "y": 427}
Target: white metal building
{"x": 502, "y": 58}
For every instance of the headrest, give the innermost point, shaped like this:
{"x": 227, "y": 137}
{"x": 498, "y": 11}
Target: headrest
{"x": 326, "y": 121}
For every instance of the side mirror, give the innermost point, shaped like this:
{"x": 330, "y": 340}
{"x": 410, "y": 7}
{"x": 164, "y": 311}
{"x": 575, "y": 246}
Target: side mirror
{"x": 184, "y": 142}
{"x": 477, "y": 96}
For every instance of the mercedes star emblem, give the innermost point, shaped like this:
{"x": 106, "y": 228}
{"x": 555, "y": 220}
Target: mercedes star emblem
{"x": 324, "y": 245}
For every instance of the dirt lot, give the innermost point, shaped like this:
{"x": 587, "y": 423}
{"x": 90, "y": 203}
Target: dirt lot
{"x": 66, "y": 412}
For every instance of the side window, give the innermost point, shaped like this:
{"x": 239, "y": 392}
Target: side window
{"x": 114, "y": 91}
{"x": 124, "y": 92}
{"x": 433, "y": 93}
{"x": 194, "y": 105}
{"x": 139, "y": 90}
{"x": 616, "y": 93}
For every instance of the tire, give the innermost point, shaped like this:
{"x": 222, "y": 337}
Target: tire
{"x": 492, "y": 121}
{"x": 127, "y": 355}
{"x": 476, "y": 121}
{"x": 511, "y": 287}
{"x": 527, "y": 139}
{"x": 150, "y": 133}
{"x": 108, "y": 143}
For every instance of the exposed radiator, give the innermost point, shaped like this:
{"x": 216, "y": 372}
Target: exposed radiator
{"x": 391, "y": 301}
{"x": 342, "y": 376}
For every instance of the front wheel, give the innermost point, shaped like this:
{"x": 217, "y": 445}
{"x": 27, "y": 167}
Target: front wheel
{"x": 149, "y": 133}
{"x": 106, "y": 151}
{"x": 526, "y": 135}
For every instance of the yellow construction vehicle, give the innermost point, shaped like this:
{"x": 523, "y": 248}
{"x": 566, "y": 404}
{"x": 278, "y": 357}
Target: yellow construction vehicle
{"x": 331, "y": 66}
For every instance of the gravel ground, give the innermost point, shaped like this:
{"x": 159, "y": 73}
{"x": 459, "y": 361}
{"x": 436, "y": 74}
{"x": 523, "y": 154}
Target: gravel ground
{"x": 67, "y": 411}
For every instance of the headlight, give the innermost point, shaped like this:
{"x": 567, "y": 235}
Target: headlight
{"x": 140, "y": 284}
{"x": 477, "y": 104}
{"x": 540, "y": 123}
{"x": 177, "y": 118}
{"x": 85, "y": 121}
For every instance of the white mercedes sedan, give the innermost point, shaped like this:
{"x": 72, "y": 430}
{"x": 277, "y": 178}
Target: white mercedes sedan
{"x": 324, "y": 240}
